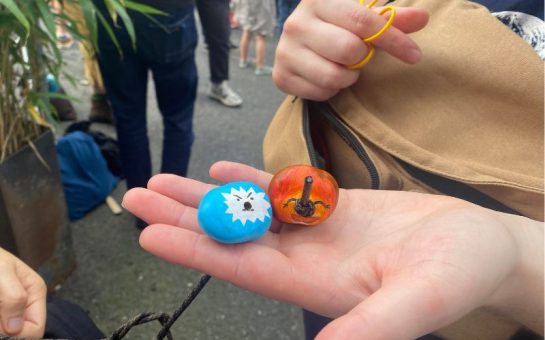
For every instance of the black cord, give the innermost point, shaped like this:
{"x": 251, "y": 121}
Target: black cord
{"x": 139, "y": 320}
{"x": 192, "y": 295}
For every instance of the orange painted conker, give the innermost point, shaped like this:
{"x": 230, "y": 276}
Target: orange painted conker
{"x": 303, "y": 194}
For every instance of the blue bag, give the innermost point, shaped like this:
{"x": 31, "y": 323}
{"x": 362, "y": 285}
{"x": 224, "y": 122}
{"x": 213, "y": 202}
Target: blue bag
{"x": 85, "y": 175}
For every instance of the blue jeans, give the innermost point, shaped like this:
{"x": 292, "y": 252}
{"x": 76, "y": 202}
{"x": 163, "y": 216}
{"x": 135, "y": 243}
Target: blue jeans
{"x": 167, "y": 50}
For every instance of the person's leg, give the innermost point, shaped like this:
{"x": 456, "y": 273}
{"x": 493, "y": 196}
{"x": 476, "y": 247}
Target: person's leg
{"x": 244, "y": 44}
{"x": 214, "y": 15}
{"x": 125, "y": 79}
{"x": 260, "y": 46}
{"x": 176, "y": 90}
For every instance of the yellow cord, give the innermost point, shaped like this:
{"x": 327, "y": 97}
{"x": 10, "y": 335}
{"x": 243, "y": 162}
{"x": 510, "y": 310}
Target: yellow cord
{"x": 369, "y": 40}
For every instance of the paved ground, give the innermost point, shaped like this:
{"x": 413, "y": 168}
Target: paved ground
{"x": 116, "y": 280}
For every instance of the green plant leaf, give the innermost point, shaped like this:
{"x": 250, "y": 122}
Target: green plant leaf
{"x": 126, "y": 20}
{"x": 111, "y": 10}
{"x": 143, "y": 8}
{"x": 47, "y": 17}
{"x": 109, "y": 30}
{"x": 14, "y": 9}
{"x": 36, "y": 96}
{"x": 52, "y": 54}
{"x": 88, "y": 10}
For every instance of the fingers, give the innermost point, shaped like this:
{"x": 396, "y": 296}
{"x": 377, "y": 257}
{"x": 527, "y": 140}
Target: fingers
{"x": 169, "y": 199}
{"x": 324, "y": 38}
{"x": 333, "y": 74}
{"x": 13, "y": 300}
{"x": 34, "y": 325}
{"x": 184, "y": 190}
{"x": 310, "y": 75}
{"x": 321, "y": 37}
{"x": 173, "y": 200}
{"x": 409, "y": 19}
{"x": 404, "y": 310}
{"x": 397, "y": 43}
{"x": 256, "y": 266}
{"x": 22, "y": 299}
{"x": 35, "y": 314}
{"x": 230, "y": 172}
{"x": 156, "y": 207}
{"x": 295, "y": 84}
{"x": 362, "y": 22}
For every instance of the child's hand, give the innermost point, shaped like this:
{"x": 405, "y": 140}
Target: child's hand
{"x": 386, "y": 264}
{"x": 321, "y": 37}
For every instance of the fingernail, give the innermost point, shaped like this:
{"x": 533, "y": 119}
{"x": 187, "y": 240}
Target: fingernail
{"x": 414, "y": 55}
{"x": 15, "y": 324}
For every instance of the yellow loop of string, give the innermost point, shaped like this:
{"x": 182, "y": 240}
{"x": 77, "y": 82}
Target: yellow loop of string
{"x": 368, "y": 40}
{"x": 386, "y": 26}
{"x": 364, "y": 61}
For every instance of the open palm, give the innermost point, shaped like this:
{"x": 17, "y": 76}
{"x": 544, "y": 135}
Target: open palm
{"x": 388, "y": 265}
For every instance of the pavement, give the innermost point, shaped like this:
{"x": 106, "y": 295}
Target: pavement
{"x": 116, "y": 280}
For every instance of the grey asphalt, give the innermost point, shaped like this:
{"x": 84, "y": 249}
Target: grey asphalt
{"x": 115, "y": 279}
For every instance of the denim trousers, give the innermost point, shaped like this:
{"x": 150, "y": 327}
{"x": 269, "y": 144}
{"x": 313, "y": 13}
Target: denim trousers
{"x": 165, "y": 47}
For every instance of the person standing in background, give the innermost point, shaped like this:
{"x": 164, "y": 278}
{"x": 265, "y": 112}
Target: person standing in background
{"x": 256, "y": 18}
{"x": 214, "y": 15}
{"x": 165, "y": 45}
{"x": 101, "y": 110}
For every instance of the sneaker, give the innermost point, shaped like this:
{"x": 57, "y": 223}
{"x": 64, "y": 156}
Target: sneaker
{"x": 224, "y": 94}
{"x": 246, "y": 63}
{"x": 263, "y": 71}
{"x": 101, "y": 110}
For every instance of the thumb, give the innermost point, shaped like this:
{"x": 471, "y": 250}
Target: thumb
{"x": 13, "y": 299}
{"x": 396, "y": 311}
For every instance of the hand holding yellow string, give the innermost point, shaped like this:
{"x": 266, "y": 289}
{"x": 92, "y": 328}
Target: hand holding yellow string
{"x": 321, "y": 46}
{"x": 369, "y": 40}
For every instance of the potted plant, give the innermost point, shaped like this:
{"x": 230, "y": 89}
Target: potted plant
{"x": 33, "y": 212}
